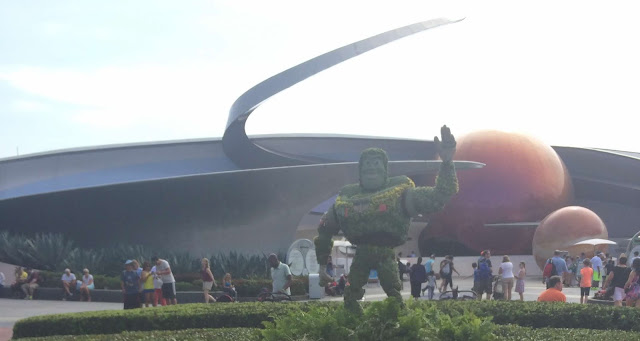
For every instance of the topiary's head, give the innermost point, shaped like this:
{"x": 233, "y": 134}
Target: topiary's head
{"x": 373, "y": 169}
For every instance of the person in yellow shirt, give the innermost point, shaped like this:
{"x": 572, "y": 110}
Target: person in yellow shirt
{"x": 21, "y": 278}
{"x": 554, "y": 293}
{"x": 146, "y": 279}
{"x": 586, "y": 273}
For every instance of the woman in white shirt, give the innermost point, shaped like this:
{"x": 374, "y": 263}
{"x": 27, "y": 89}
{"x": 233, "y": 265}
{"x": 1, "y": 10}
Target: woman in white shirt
{"x": 506, "y": 271}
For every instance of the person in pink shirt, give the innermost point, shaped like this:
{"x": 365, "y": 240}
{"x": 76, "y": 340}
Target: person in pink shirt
{"x": 586, "y": 273}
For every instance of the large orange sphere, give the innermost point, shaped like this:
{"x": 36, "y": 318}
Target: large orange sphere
{"x": 523, "y": 181}
{"x": 565, "y": 227}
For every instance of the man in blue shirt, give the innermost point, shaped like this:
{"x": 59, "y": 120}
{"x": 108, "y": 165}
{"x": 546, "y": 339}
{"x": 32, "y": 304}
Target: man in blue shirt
{"x": 559, "y": 263}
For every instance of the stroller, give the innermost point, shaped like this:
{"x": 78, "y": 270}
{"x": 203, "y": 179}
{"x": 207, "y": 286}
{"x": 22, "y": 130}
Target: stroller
{"x": 498, "y": 293}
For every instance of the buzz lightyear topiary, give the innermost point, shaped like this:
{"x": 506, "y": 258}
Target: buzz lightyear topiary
{"x": 375, "y": 215}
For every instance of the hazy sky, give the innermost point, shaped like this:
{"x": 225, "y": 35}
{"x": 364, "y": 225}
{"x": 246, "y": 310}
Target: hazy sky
{"x": 86, "y": 73}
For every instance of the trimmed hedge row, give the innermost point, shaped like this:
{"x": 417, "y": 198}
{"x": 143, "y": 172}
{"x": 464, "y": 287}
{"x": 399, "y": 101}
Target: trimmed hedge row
{"x": 513, "y": 332}
{"x": 506, "y": 333}
{"x": 230, "y": 334}
{"x": 185, "y": 316}
{"x": 186, "y": 282}
{"x": 552, "y": 315}
{"x": 251, "y": 315}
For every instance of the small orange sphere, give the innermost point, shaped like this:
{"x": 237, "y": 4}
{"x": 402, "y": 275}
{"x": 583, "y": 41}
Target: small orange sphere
{"x": 565, "y": 227}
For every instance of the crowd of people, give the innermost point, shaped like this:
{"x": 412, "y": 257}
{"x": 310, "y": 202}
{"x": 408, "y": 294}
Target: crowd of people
{"x": 153, "y": 284}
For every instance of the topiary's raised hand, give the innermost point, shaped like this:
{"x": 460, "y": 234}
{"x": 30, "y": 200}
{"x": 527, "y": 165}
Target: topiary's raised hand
{"x": 447, "y": 147}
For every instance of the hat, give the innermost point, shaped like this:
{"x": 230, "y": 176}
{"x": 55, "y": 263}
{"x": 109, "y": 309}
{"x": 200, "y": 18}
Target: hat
{"x": 67, "y": 270}
{"x": 129, "y": 261}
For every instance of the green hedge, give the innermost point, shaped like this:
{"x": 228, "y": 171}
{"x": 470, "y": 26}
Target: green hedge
{"x": 506, "y": 333}
{"x": 513, "y": 332}
{"x": 186, "y": 282}
{"x": 229, "y": 334}
{"x": 553, "y": 315}
{"x": 185, "y": 316}
{"x": 251, "y": 315}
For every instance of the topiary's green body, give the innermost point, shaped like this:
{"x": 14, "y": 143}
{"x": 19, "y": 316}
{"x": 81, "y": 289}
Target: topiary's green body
{"x": 378, "y": 220}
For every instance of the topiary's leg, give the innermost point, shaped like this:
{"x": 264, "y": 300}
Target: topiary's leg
{"x": 388, "y": 274}
{"x": 358, "y": 276}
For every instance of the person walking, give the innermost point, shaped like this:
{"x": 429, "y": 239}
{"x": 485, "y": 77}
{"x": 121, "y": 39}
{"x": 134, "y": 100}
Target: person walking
{"x": 559, "y": 264}
{"x": 632, "y": 286}
{"x": 485, "y": 275}
{"x": 417, "y": 276}
{"x": 446, "y": 272}
{"x": 618, "y": 278}
{"x": 522, "y": 274}
{"x": 207, "y": 280}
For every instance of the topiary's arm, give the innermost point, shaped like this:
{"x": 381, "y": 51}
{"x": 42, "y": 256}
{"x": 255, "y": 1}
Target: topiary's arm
{"x": 425, "y": 200}
{"x": 326, "y": 230}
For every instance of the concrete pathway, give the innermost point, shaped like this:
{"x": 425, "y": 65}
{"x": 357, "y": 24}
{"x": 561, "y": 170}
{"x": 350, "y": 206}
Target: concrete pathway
{"x": 12, "y": 310}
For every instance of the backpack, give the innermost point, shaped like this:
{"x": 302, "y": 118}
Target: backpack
{"x": 549, "y": 269}
{"x": 484, "y": 271}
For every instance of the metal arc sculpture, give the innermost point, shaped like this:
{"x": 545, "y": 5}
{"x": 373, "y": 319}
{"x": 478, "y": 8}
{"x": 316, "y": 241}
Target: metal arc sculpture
{"x": 237, "y": 145}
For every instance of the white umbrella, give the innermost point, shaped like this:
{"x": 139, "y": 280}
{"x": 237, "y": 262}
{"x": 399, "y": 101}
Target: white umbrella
{"x": 596, "y": 241}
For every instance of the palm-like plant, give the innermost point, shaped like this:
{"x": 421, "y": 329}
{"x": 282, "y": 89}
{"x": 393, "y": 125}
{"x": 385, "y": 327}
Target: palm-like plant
{"x": 47, "y": 251}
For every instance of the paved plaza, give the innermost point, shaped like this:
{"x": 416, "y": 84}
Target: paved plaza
{"x": 11, "y": 310}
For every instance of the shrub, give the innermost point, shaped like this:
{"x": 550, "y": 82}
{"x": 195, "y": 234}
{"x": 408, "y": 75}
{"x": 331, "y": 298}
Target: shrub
{"x": 230, "y": 334}
{"x": 185, "y": 316}
{"x": 540, "y": 315}
{"x": 462, "y": 322}
{"x": 185, "y": 286}
{"x": 384, "y": 320}
{"x": 513, "y": 332}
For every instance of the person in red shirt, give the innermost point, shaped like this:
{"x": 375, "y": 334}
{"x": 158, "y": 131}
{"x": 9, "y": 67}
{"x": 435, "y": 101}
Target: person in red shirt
{"x": 586, "y": 273}
{"x": 554, "y": 293}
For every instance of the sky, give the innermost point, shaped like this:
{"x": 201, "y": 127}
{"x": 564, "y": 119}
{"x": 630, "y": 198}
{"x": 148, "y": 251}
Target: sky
{"x": 89, "y": 73}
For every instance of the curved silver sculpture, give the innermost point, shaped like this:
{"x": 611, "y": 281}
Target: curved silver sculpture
{"x": 243, "y": 151}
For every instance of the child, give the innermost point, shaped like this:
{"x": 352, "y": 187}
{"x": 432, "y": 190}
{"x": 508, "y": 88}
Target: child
{"x": 228, "y": 286}
{"x": 520, "y": 280}
{"x": 146, "y": 279}
{"x": 431, "y": 284}
{"x": 586, "y": 274}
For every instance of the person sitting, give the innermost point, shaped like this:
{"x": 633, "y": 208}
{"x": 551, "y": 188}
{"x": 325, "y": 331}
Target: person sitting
{"x": 21, "y": 278}
{"x": 228, "y": 287}
{"x": 554, "y": 293}
{"x": 330, "y": 268}
{"x": 69, "y": 283}
{"x": 31, "y": 284}
{"x": 85, "y": 286}
{"x": 342, "y": 283}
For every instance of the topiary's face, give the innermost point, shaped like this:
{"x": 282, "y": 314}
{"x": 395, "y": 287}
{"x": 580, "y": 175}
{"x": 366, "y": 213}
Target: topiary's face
{"x": 373, "y": 172}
